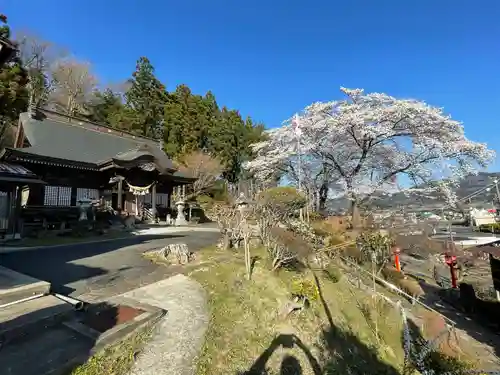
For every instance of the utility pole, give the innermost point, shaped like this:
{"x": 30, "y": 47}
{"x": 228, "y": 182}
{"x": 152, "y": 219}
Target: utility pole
{"x": 298, "y": 133}
{"x": 497, "y": 190}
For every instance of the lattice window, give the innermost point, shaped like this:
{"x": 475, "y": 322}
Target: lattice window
{"x": 57, "y": 196}
{"x": 161, "y": 199}
{"x": 51, "y": 194}
{"x": 64, "y": 198}
{"x": 83, "y": 193}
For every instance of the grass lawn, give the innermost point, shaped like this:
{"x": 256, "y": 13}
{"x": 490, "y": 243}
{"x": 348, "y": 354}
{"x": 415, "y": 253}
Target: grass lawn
{"x": 336, "y": 334}
{"x": 116, "y": 359}
{"x": 64, "y": 240}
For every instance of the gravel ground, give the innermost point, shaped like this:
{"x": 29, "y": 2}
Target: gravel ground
{"x": 179, "y": 337}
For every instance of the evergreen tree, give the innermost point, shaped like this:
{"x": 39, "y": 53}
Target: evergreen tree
{"x": 13, "y": 90}
{"x": 107, "y": 108}
{"x": 173, "y": 127}
{"x": 146, "y": 99}
{"x": 189, "y": 122}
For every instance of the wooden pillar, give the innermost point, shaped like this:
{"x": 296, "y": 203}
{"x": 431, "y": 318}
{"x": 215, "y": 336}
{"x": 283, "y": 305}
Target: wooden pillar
{"x": 15, "y": 198}
{"x": 10, "y": 213}
{"x": 153, "y": 201}
{"x": 120, "y": 194}
{"x": 183, "y": 192}
{"x": 170, "y": 190}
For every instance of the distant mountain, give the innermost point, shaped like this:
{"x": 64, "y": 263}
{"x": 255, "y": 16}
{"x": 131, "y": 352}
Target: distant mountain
{"x": 468, "y": 186}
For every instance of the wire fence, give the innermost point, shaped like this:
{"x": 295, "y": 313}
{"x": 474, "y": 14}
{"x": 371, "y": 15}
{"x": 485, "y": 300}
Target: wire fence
{"x": 418, "y": 359}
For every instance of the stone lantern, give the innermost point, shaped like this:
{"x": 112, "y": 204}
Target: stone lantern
{"x": 84, "y": 205}
{"x": 242, "y": 203}
{"x": 181, "y": 218}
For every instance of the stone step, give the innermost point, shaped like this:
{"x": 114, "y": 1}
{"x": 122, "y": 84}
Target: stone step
{"x": 53, "y": 351}
{"x": 21, "y": 319}
{"x": 15, "y": 286}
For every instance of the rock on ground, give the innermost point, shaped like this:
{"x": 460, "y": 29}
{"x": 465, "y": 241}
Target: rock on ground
{"x": 179, "y": 336}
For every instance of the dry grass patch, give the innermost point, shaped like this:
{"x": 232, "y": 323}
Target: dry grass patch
{"x": 247, "y": 318}
{"x": 117, "y": 359}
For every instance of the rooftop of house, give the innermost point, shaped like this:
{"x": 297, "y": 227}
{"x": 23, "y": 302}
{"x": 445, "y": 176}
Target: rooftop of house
{"x": 76, "y": 140}
{"x": 55, "y": 136}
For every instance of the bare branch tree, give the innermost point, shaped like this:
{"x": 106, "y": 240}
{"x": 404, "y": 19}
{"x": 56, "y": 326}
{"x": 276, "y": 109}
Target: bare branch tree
{"x": 37, "y": 56}
{"x": 205, "y": 168}
{"x": 74, "y": 84}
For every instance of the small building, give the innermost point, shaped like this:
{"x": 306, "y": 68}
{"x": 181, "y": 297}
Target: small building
{"x": 78, "y": 160}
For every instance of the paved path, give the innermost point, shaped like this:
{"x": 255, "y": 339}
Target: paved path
{"x": 179, "y": 337}
{"x": 99, "y": 270}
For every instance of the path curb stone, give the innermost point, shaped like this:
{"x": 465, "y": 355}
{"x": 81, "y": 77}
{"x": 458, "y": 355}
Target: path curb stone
{"x": 180, "y": 335}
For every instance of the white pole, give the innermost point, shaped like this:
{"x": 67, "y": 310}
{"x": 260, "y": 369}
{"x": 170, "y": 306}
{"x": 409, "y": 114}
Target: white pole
{"x": 298, "y": 133}
{"x": 498, "y": 191}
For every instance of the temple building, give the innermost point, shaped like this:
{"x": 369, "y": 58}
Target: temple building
{"x": 75, "y": 159}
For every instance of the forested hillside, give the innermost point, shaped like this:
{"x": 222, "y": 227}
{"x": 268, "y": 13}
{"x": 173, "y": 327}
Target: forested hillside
{"x": 141, "y": 104}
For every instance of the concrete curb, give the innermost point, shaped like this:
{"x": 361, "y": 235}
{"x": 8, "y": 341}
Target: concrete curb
{"x": 13, "y": 249}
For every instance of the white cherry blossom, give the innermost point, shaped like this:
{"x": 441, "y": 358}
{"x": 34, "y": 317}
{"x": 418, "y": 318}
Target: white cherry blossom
{"x": 369, "y": 141}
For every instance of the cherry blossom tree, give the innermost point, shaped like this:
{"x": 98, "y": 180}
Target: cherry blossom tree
{"x": 367, "y": 142}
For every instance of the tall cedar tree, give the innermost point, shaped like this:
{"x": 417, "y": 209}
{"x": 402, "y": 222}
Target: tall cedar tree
{"x": 146, "y": 99}
{"x": 106, "y": 107}
{"x": 190, "y": 122}
{"x": 13, "y": 89}
{"x": 194, "y": 122}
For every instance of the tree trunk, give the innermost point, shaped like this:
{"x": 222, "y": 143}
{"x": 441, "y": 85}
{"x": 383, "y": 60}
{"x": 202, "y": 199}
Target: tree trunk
{"x": 226, "y": 242}
{"x": 323, "y": 195}
{"x": 248, "y": 259}
{"x": 356, "y": 218}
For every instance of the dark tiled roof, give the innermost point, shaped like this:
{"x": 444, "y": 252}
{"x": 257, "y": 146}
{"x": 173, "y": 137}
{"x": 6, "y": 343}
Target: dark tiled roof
{"x": 146, "y": 150}
{"x": 17, "y": 174}
{"x": 76, "y": 141}
{"x": 183, "y": 175}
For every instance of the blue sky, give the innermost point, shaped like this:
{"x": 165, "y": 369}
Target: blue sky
{"x": 271, "y": 58}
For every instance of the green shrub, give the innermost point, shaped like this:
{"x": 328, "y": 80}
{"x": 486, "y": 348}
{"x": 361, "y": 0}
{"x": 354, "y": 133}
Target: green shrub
{"x": 391, "y": 274}
{"x": 493, "y": 228}
{"x": 375, "y": 244}
{"x": 333, "y": 240}
{"x": 354, "y": 254}
{"x": 333, "y": 273}
{"x": 282, "y": 200}
{"x": 205, "y": 201}
{"x": 316, "y": 216}
{"x": 326, "y": 228}
{"x": 304, "y": 288}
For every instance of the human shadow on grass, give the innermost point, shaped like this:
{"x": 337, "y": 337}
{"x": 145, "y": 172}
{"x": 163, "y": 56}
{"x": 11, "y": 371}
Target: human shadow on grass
{"x": 290, "y": 365}
{"x": 340, "y": 352}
